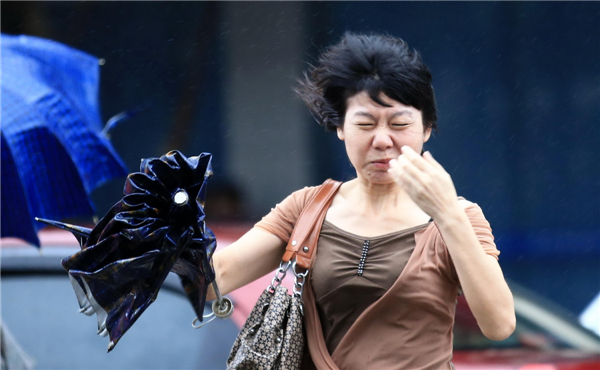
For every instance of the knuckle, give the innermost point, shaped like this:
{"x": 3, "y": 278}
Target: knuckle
{"x": 427, "y": 180}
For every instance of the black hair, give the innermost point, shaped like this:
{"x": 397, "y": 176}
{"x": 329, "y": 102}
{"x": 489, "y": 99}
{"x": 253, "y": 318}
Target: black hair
{"x": 372, "y": 63}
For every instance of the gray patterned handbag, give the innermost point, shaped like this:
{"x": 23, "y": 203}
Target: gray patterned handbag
{"x": 272, "y": 337}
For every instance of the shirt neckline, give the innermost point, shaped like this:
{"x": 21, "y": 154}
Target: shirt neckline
{"x": 396, "y": 233}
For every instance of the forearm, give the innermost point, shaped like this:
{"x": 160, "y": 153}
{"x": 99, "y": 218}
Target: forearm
{"x": 255, "y": 254}
{"x": 480, "y": 276}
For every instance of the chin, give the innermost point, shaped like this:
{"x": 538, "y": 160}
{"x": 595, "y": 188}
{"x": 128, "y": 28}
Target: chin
{"x": 379, "y": 178}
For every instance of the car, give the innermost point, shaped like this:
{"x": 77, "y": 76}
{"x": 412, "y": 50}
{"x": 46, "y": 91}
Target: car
{"x": 546, "y": 336}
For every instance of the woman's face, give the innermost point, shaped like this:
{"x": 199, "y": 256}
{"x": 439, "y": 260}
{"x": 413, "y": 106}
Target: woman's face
{"x": 373, "y": 135}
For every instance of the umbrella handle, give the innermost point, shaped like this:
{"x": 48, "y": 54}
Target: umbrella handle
{"x": 195, "y": 324}
{"x": 222, "y": 308}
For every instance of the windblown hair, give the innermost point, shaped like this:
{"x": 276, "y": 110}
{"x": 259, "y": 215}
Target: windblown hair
{"x": 371, "y": 63}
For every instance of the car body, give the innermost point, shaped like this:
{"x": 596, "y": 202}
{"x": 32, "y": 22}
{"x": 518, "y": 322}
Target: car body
{"x": 546, "y": 338}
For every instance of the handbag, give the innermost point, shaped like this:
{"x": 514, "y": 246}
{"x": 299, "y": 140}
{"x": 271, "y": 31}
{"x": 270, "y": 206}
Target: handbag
{"x": 272, "y": 337}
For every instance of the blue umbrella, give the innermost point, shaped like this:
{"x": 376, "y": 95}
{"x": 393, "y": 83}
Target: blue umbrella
{"x": 53, "y": 152}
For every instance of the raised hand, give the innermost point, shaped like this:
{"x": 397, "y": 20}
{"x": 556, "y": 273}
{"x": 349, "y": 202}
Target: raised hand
{"x": 426, "y": 181}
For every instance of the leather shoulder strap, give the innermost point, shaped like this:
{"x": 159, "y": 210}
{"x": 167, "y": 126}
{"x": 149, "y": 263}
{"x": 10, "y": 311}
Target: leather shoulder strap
{"x": 305, "y": 235}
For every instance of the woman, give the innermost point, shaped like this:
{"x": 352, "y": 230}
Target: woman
{"x": 397, "y": 243}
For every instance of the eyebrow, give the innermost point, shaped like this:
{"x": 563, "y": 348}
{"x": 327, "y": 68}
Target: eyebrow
{"x": 396, "y": 114}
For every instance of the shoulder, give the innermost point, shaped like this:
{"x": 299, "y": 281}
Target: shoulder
{"x": 473, "y": 210}
{"x": 281, "y": 220}
{"x": 302, "y": 196}
{"x": 480, "y": 225}
{"x": 465, "y": 203}
{"x": 475, "y": 214}
{"x": 294, "y": 203}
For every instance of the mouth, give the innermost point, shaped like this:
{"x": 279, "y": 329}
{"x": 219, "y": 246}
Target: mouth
{"x": 381, "y": 163}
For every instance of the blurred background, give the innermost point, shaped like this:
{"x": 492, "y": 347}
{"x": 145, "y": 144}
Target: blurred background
{"x": 517, "y": 86}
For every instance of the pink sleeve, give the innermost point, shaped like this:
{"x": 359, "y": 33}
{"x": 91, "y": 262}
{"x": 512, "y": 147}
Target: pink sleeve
{"x": 282, "y": 219}
{"x": 482, "y": 229}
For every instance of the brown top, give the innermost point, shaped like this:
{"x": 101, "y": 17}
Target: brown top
{"x": 402, "y": 289}
{"x": 355, "y": 271}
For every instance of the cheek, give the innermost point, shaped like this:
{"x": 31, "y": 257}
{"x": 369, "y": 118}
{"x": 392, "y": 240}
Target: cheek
{"x": 415, "y": 131}
{"x": 355, "y": 149}
{"x": 351, "y": 149}
{"x": 411, "y": 136}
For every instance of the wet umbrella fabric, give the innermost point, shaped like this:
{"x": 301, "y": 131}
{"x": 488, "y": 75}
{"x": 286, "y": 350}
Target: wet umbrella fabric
{"x": 157, "y": 227}
{"x": 53, "y": 153}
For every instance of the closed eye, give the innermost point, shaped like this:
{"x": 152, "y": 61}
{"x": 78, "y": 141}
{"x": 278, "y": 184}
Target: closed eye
{"x": 364, "y": 124}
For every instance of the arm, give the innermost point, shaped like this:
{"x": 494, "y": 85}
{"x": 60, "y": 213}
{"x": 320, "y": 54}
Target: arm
{"x": 259, "y": 251}
{"x": 255, "y": 254}
{"x": 481, "y": 278}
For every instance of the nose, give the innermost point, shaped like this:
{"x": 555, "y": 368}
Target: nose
{"x": 382, "y": 139}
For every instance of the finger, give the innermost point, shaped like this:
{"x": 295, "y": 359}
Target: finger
{"x": 429, "y": 158}
{"x": 394, "y": 169}
{"x": 409, "y": 168}
{"x": 397, "y": 166}
{"x": 404, "y": 170}
{"x": 415, "y": 158}
{"x": 409, "y": 184}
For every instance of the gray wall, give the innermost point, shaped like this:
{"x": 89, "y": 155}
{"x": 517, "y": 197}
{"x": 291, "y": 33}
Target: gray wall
{"x": 266, "y": 138}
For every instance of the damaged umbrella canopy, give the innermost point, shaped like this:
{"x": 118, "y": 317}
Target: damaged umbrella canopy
{"x": 157, "y": 227}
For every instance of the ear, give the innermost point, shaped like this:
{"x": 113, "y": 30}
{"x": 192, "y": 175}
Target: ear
{"x": 426, "y": 134}
{"x": 340, "y": 133}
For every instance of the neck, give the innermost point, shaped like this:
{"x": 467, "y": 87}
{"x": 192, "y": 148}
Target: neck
{"x": 375, "y": 199}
